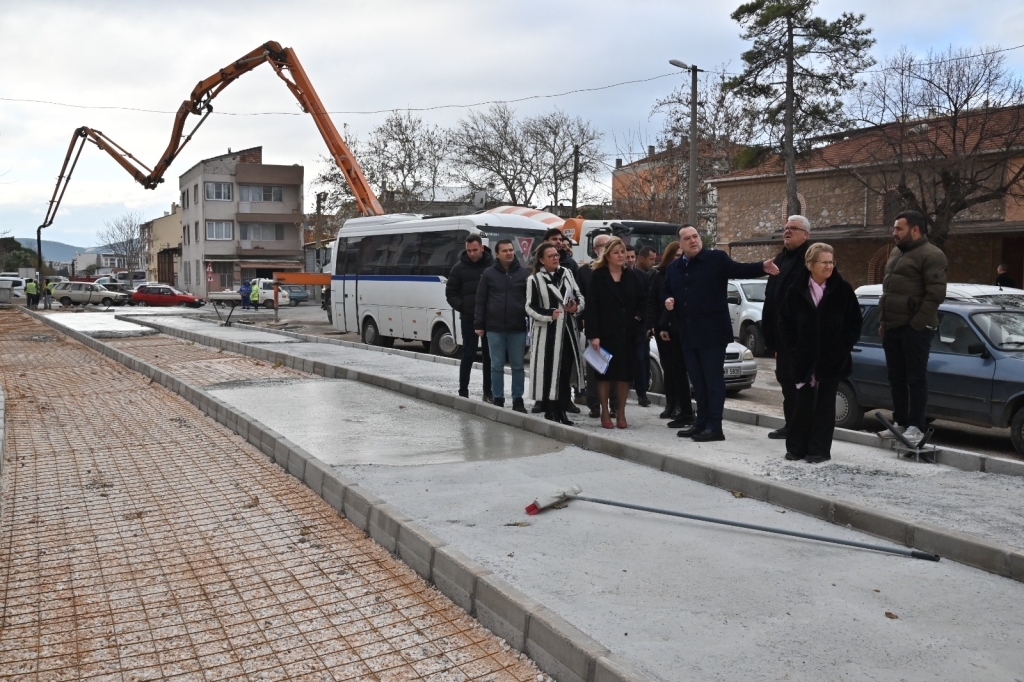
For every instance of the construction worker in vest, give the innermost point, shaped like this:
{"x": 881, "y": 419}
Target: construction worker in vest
{"x": 255, "y": 295}
{"x": 47, "y": 293}
{"x": 31, "y": 293}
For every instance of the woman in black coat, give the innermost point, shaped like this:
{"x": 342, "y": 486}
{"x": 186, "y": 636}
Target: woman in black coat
{"x": 819, "y": 323}
{"x": 615, "y": 309}
{"x": 678, "y": 407}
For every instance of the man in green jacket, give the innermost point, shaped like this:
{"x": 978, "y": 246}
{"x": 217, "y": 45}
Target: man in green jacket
{"x": 913, "y": 287}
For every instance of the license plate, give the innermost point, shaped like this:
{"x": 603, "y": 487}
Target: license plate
{"x": 733, "y": 371}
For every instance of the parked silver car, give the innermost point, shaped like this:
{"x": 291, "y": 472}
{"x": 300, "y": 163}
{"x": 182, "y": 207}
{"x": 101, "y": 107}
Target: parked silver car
{"x": 84, "y": 293}
{"x": 740, "y": 369}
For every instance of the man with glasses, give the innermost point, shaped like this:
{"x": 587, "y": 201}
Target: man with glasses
{"x": 565, "y": 259}
{"x": 790, "y": 262}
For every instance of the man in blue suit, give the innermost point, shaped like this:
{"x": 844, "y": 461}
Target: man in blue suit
{"x": 695, "y": 288}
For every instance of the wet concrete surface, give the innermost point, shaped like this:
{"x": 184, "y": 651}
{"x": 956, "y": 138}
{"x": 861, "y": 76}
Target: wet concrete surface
{"x": 348, "y": 422}
{"x": 100, "y": 326}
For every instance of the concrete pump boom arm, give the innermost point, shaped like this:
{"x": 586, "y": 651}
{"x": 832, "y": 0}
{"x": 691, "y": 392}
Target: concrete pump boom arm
{"x": 287, "y": 66}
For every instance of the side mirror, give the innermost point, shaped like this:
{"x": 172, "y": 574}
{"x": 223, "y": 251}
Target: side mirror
{"x": 733, "y": 299}
{"x": 978, "y": 349}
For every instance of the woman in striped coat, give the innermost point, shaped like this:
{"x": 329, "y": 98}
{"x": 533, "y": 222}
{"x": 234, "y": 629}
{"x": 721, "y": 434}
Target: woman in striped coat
{"x": 552, "y": 301}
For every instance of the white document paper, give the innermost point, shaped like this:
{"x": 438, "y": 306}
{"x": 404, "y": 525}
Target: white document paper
{"x": 598, "y": 359}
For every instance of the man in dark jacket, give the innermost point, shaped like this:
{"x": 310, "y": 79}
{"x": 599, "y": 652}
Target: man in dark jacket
{"x": 644, "y": 268}
{"x": 460, "y": 291}
{"x": 1003, "y": 278}
{"x": 791, "y": 268}
{"x": 695, "y": 288}
{"x": 912, "y": 289}
{"x": 501, "y": 315}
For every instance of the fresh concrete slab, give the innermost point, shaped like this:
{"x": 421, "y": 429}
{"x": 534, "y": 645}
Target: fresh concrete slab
{"x": 349, "y": 422}
{"x": 686, "y": 600}
{"x": 100, "y": 325}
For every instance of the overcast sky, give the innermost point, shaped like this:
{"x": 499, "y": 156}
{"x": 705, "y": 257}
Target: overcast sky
{"x": 360, "y": 56}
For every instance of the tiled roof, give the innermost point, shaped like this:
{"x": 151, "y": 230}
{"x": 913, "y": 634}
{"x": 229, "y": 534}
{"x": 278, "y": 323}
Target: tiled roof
{"x": 974, "y": 133}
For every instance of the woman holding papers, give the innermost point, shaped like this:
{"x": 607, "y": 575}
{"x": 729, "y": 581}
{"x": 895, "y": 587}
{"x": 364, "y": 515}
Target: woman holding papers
{"x": 552, "y": 298}
{"x": 615, "y": 307}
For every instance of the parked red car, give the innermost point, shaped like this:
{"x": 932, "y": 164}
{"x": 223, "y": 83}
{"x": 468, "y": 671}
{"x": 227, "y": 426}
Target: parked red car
{"x": 161, "y": 294}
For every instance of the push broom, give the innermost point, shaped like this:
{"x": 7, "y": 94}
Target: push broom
{"x": 558, "y": 496}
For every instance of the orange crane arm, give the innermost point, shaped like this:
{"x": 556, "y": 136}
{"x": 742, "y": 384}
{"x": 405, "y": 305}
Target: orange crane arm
{"x": 287, "y": 66}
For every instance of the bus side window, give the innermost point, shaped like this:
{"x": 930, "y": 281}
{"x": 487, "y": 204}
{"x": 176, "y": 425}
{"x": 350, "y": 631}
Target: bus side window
{"x": 404, "y": 260}
{"x": 439, "y": 251}
{"x": 374, "y": 254}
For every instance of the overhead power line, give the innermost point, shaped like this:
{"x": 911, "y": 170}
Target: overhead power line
{"x": 373, "y": 111}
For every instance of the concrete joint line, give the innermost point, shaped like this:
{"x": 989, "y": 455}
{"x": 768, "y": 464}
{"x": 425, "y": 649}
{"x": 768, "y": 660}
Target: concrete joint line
{"x": 973, "y": 551}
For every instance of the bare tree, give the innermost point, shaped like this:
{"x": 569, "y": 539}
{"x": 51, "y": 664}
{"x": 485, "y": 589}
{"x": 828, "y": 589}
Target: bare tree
{"x": 556, "y": 135}
{"x": 495, "y": 147}
{"x": 940, "y": 134}
{"x": 649, "y": 186}
{"x": 123, "y": 237}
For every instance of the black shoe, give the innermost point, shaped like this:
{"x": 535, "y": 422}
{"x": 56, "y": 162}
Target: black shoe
{"x": 680, "y": 422}
{"x": 563, "y": 418}
{"x": 778, "y": 434}
{"x": 670, "y": 406}
{"x": 643, "y": 401}
{"x": 595, "y": 413}
{"x": 519, "y": 406}
{"x": 463, "y": 394}
{"x": 499, "y": 402}
{"x": 792, "y": 457}
{"x": 571, "y": 407}
{"x": 538, "y": 407}
{"x": 707, "y": 435}
{"x": 691, "y": 431}
{"x": 817, "y": 460}
{"x": 550, "y": 415}
{"x": 488, "y": 398}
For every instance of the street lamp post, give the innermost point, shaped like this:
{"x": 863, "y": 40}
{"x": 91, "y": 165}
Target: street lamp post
{"x": 692, "y": 194}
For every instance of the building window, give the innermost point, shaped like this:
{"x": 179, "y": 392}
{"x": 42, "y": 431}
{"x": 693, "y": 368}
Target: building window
{"x": 188, "y": 274}
{"x": 197, "y": 232}
{"x": 802, "y": 208}
{"x": 219, "y": 229}
{"x": 259, "y": 232}
{"x": 184, "y": 199}
{"x": 184, "y": 235}
{"x": 260, "y": 193}
{"x": 199, "y": 275}
{"x": 218, "y": 191}
{"x": 195, "y": 193}
{"x": 223, "y": 275}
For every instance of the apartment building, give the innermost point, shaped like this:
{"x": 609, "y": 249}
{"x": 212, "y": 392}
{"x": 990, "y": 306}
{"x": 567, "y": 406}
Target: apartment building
{"x": 240, "y": 218}
{"x": 161, "y": 246}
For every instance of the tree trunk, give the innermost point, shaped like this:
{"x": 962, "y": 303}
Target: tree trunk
{"x": 788, "y": 149}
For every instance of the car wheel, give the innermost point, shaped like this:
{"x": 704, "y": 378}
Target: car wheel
{"x": 371, "y": 334}
{"x": 66, "y": 302}
{"x": 142, "y": 304}
{"x": 848, "y": 412}
{"x": 752, "y": 338}
{"x": 107, "y": 302}
{"x": 656, "y": 380}
{"x": 442, "y": 342}
{"x": 294, "y": 303}
{"x": 1017, "y": 431}
{"x": 183, "y": 304}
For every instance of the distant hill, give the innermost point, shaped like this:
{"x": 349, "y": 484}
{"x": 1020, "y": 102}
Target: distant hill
{"x": 58, "y": 251}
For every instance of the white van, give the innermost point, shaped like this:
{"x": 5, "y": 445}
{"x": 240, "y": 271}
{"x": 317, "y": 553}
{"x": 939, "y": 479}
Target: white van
{"x": 266, "y": 289}
{"x": 388, "y": 274}
{"x": 17, "y": 286}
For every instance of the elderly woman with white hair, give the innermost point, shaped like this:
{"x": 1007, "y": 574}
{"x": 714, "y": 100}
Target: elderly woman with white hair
{"x": 819, "y": 323}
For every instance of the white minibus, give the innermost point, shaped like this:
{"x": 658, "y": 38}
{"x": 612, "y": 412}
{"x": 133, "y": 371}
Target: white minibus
{"x": 388, "y": 274}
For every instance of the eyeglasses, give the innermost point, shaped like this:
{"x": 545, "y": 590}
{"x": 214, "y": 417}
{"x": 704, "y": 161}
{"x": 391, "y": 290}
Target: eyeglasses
{"x": 826, "y": 263}
{"x": 790, "y": 228}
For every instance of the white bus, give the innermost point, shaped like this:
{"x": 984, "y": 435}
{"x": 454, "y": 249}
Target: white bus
{"x": 388, "y": 274}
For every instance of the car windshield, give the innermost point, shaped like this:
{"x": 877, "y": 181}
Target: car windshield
{"x": 1004, "y": 329}
{"x": 100, "y": 287}
{"x": 1004, "y": 300}
{"x": 754, "y": 291}
{"x": 175, "y": 291}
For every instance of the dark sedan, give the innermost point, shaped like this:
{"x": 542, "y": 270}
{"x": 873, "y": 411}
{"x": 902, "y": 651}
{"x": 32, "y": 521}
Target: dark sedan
{"x": 296, "y": 293}
{"x": 975, "y": 369}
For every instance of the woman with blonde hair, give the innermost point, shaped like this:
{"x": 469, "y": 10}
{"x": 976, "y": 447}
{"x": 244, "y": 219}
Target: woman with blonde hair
{"x": 615, "y": 308}
{"x": 819, "y": 322}
{"x": 552, "y": 299}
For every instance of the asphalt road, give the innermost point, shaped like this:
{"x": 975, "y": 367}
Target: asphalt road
{"x": 765, "y": 396}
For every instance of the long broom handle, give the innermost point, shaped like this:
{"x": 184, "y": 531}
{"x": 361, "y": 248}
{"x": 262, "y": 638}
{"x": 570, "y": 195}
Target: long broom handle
{"x": 913, "y": 553}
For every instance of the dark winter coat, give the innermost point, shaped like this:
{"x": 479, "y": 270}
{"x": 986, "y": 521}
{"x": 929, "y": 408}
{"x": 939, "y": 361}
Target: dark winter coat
{"x": 655, "y": 315}
{"x": 819, "y": 340}
{"x": 702, "y": 307}
{"x": 501, "y": 299}
{"x": 460, "y": 290}
{"x": 566, "y": 260}
{"x": 914, "y": 286}
{"x": 791, "y": 268}
{"x": 612, "y": 311}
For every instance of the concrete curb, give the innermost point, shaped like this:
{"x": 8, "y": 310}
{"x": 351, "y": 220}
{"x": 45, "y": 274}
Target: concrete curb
{"x": 966, "y": 549}
{"x": 964, "y": 460}
{"x": 557, "y": 647}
